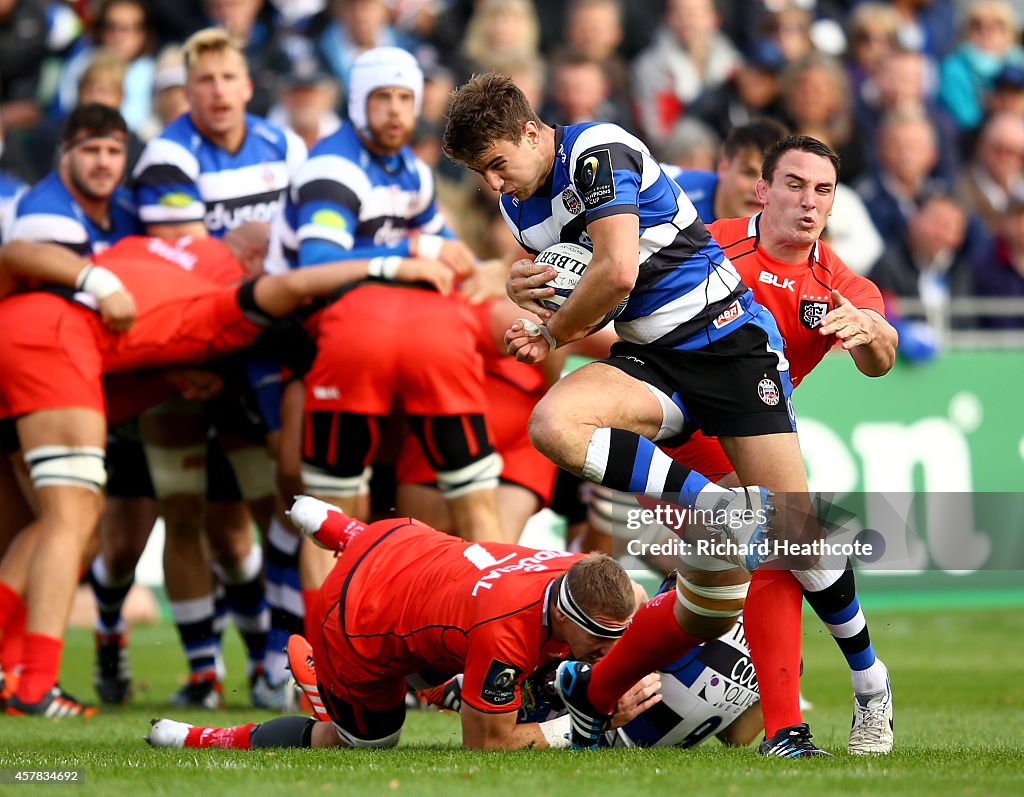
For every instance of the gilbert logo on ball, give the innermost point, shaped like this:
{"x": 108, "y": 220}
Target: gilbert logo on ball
{"x": 570, "y": 261}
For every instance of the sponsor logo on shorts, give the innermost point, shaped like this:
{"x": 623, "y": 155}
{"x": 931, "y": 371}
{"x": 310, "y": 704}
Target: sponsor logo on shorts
{"x": 631, "y": 358}
{"x": 326, "y": 393}
{"x": 572, "y": 202}
{"x": 499, "y": 687}
{"x": 728, "y": 315}
{"x": 768, "y": 392}
{"x": 812, "y": 313}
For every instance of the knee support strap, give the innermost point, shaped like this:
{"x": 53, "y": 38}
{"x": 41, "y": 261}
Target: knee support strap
{"x": 74, "y": 466}
{"x": 724, "y": 601}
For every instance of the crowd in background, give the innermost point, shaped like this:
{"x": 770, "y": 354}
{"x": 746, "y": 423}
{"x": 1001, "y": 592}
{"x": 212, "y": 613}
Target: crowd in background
{"x": 923, "y": 99}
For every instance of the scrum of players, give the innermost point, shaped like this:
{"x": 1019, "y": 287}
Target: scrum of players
{"x": 247, "y": 322}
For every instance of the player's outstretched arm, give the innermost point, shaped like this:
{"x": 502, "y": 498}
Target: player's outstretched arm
{"x": 279, "y": 295}
{"x": 870, "y": 339}
{"x": 26, "y": 261}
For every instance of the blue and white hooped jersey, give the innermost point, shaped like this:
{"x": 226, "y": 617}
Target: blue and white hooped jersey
{"x": 687, "y": 292}
{"x": 701, "y": 695}
{"x": 183, "y": 177}
{"x": 351, "y": 203}
{"x": 47, "y": 212}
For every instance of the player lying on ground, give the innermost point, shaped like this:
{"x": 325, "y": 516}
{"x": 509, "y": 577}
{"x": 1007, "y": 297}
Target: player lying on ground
{"x": 496, "y": 613}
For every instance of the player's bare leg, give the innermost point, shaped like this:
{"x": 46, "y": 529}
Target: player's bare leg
{"x": 64, "y": 450}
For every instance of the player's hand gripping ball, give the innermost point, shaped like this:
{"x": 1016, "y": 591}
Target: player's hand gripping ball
{"x": 570, "y": 261}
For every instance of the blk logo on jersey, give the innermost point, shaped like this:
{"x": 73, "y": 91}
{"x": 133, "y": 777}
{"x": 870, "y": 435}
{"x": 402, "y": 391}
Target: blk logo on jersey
{"x": 572, "y": 202}
{"x": 812, "y": 313}
{"x": 595, "y": 178}
{"x": 499, "y": 687}
{"x": 784, "y": 283}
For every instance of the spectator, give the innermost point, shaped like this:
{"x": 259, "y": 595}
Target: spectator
{"x": 593, "y": 29}
{"x": 872, "y": 33}
{"x": 927, "y": 26}
{"x": 356, "y": 26}
{"x": 124, "y": 28}
{"x": 170, "y": 99}
{"x": 816, "y": 99}
{"x": 990, "y": 36}
{"x": 692, "y": 146}
{"x": 928, "y": 263}
{"x": 997, "y": 170}
{"x": 902, "y": 80}
{"x": 688, "y": 57}
{"x": 580, "y": 92}
{"x": 999, "y": 271}
{"x": 907, "y": 152}
{"x": 23, "y": 46}
{"x": 306, "y": 103}
{"x": 751, "y": 92}
{"x": 501, "y": 32}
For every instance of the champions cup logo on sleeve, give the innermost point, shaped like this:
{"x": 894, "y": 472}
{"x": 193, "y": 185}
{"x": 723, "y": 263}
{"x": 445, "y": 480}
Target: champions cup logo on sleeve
{"x": 595, "y": 178}
{"x": 499, "y": 687}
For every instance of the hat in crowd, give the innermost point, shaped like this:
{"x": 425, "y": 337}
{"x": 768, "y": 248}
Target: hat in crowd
{"x": 305, "y": 73}
{"x": 1010, "y": 77}
{"x": 764, "y": 55}
{"x": 382, "y": 67}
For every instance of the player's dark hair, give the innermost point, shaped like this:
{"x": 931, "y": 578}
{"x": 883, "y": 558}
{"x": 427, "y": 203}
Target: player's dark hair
{"x": 92, "y": 119}
{"x": 760, "y": 135}
{"x": 601, "y": 587}
{"x": 801, "y": 144}
{"x": 486, "y": 109}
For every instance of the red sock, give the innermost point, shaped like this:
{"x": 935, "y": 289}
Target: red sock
{"x": 771, "y": 622}
{"x": 9, "y": 602}
{"x": 42, "y": 664}
{"x": 309, "y": 622}
{"x": 652, "y": 640}
{"x": 12, "y": 645}
{"x": 236, "y": 738}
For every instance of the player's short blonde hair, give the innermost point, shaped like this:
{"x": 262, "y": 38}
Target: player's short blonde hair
{"x": 601, "y": 587}
{"x": 209, "y": 40}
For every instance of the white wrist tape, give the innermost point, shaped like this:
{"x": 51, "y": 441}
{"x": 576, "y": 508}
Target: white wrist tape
{"x": 429, "y": 246}
{"x": 385, "y": 268}
{"x": 556, "y": 732}
{"x": 98, "y": 282}
{"x": 533, "y": 330}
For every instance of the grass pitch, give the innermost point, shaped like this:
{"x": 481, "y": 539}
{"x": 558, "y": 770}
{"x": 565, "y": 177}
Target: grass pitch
{"x": 959, "y": 731}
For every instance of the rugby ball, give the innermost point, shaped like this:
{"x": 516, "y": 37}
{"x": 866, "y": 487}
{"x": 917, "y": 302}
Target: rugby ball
{"x": 570, "y": 261}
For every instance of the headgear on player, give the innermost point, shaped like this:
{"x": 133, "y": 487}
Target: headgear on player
{"x": 379, "y": 68}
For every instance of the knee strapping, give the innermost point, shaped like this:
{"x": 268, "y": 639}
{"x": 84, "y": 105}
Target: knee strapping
{"x": 177, "y": 471}
{"x": 254, "y": 470}
{"x": 319, "y": 481}
{"x": 75, "y": 466}
{"x": 354, "y": 741}
{"x": 725, "y": 601}
{"x": 480, "y": 475}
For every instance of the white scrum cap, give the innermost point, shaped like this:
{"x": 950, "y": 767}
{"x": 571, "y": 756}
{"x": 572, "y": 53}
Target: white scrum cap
{"x": 379, "y": 68}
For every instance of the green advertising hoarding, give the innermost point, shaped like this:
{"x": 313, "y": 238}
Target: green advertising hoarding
{"x": 944, "y": 442}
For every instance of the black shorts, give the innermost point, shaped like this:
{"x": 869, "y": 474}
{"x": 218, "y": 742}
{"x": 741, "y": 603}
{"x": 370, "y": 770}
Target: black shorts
{"x": 731, "y": 387}
{"x": 127, "y": 468}
{"x": 9, "y": 436}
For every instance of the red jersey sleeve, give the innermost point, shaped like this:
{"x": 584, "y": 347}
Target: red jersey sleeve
{"x": 497, "y": 660}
